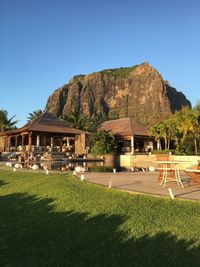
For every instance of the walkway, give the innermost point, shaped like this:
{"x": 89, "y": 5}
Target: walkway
{"x": 143, "y": 182}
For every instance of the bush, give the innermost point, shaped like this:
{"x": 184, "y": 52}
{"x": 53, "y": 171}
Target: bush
{"x": 165, "y": 151}
{"x": 119, "y": 73}
{"x": 103, "y": 143}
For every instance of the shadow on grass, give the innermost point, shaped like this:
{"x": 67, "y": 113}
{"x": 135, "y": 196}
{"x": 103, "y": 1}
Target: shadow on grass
{"x": 33, "y": 234}
{"x": 2, "y": 183}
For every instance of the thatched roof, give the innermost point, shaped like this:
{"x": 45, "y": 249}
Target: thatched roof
{"x": 47, "y": 122}
{"x": 124, "y": 127}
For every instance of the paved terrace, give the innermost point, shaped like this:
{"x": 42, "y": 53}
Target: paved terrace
{"x": 144, "y": 182}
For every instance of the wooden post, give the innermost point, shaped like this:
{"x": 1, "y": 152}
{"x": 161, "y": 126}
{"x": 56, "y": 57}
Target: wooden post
{"x": 44, "y": 143}
{"x": 29, "y": 142}
{"x": 4, "y": 143}
{"x": 16, "y": 142}
{"x": 38, "y": 141}
{"x": 61, "y": 138}
{"x": 23, "y": 142}
{"x": 8, "y": 140}
{"x": 132, "y": 145}
{"x": 52, "y": 141}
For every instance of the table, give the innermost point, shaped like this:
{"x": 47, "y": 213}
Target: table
{"x": 170, "y": 165}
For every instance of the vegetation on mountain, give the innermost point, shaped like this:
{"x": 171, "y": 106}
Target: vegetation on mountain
{"x": 119, "y": 73}
{"x": 77, "y": 78}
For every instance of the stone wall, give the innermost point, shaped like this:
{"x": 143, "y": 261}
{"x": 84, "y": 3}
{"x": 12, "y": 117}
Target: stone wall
{"x": 145, "y": 161}
{"x": 80, "y": 144}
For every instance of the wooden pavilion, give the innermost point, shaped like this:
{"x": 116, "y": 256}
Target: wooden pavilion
{"x": 44, "y": 133}
{"x": 130, "y": 136}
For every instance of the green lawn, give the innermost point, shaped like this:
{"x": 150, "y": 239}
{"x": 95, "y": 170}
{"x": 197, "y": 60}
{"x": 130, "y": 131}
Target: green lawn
{"x": 58, "y": 220}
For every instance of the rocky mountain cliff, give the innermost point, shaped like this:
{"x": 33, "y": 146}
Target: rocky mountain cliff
{"x": 137, "y": 92}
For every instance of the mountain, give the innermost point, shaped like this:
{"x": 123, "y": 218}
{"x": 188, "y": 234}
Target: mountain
{"x": 138, "y": 92}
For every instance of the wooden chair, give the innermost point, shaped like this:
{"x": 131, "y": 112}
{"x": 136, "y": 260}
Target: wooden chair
{"x": 194, "y": 174}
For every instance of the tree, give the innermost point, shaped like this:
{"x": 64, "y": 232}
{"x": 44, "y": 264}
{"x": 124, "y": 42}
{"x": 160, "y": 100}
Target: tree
{"x": 167, "y": 130}
{"x": 97, "y": 120}
{"x": 83, "y": 122}
{"x": 171, "y": 131}
{"x": 155, "y": 132}
{"x": 103, "y": 143}
{"x": 77, "y": 121}
{"x": 183, "y": 127}
{"x": 193, "y": 127}
{"x": 5, "y": 122}
{"x": 34, "y": 114}
{"x": 189, "y": 124}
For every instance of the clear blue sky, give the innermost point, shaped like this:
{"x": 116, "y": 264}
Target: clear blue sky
{"x": 43, "y": 43}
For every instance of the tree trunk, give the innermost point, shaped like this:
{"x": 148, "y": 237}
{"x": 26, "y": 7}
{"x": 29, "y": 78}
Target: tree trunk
{"x": 165, "y": 143}
{"x": 168, "y": 145}
{"x": 158, "y": 144}
{"x": 195, "y": 146}
{"x": 177, "y": 144}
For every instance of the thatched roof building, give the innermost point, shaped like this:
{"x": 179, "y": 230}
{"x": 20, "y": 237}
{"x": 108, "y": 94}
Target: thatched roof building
{"x": 44, "y": 131}
{"x": 130, "y": 135}
{"x": 124, "y": 127}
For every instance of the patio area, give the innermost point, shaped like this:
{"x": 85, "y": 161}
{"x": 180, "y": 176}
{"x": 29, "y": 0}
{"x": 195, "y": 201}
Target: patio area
{"x": 144, "y": 182}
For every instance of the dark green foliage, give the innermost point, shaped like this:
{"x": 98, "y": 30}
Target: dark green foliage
{"x": 103, "y": 143}
{"x": 82, "y": 122}
{"x": 34, "y": 114}
{"x": 78, "y": 121}
{"x": 77, "y": 78}
{"x": 5, "y": 122}
{"x": 180, "y": 132}
{"x": 99, "y": 119}
{"x": 119, "y": 73}
{"x": 160, "y": 152}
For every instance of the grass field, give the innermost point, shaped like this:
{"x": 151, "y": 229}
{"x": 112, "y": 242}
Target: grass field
{"x": 58, "y": 220}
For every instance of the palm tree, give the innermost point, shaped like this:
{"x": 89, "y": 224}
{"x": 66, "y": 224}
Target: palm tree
{"x": 167, "y": 130}
{"x": 34, "y": 114}
{"x": 172, "y": 131}
{"x": 155, "y": 132}
{"x": 82, "y": 122}
{"x": 77, "y": 121}
{"x": 5, "y": 122}
{"x": 189, "y": 126}
{"x": 193, "y": 127}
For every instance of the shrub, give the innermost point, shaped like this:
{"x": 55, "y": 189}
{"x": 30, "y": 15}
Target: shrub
{"x": 103, "y": 143}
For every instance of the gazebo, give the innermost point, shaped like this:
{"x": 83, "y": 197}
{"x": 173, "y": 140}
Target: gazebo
{"x": 44, "y": 133}
{"x": 130, "y": 136}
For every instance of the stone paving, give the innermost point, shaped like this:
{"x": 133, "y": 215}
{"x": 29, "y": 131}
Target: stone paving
{"x": 143, "y": 182}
